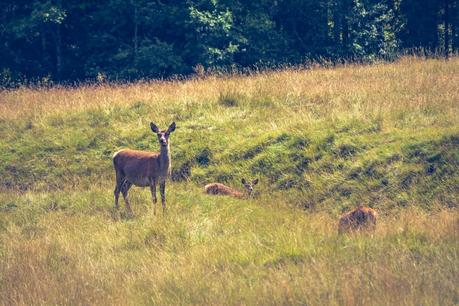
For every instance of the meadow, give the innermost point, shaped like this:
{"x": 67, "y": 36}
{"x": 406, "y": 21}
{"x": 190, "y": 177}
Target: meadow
{"x": 320, "y": 140}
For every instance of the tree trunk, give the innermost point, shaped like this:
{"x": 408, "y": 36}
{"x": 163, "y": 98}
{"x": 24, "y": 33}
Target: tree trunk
{"x": 446, "y": 25}
{"x": 345, "y": 25}
{"x": 454, "y": 38}
{"x": 44, "y": 54}
{"x": 136, "y": 31}
{"x": 336, "y": 24}
{"x": 58, "y": 52}
{"x": 346, "y": 7}
{"x": 455, "y": 25}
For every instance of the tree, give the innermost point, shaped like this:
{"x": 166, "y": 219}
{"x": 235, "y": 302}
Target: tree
{"x": 371, "y": 32}
{"x": 420, "y": 28}
{"x": 213, "y": 27}
{"x": 78, "y": 40}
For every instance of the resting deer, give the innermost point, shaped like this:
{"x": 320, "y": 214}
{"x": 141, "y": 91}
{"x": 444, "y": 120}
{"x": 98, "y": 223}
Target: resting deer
{"x": 142, "y": 169}
{"x": 218, "y": 188}
{"x": 360, "y": 218}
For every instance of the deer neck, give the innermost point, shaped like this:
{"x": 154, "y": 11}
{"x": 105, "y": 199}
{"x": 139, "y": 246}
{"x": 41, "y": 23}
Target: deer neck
{"x": 165, "y": 160}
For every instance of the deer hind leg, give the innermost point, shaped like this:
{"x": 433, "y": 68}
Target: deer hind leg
{"x": 119, "y": 184}
{"x": 124, "y": 190}
{"x": 162, "y": 190}
{"x": 153, "y": 195}
{"x": 117, "y": 195}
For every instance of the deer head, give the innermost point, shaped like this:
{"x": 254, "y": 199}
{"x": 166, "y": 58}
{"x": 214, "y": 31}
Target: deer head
{"x": 249, "y": 186}
{"x": 163, "y": 136}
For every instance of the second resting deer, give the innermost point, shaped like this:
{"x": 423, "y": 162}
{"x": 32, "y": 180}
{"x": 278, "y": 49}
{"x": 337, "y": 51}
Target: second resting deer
{"x": 358, "y": 219}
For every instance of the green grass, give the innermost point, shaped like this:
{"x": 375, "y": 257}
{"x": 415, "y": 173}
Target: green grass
{"x": 321, "y": 141}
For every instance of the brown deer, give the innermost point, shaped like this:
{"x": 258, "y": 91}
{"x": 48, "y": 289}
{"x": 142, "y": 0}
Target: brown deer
{"x": 142, "y": 169}
{"x": 357, "y": 219}
{"x": 218, "y": 188}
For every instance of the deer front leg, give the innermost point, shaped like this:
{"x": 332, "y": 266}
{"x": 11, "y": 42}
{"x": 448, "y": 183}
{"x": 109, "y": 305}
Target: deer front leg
{"x": 162, "y": 190}
{"x": 153, "y": 195}
{"x": 124, "y": 191}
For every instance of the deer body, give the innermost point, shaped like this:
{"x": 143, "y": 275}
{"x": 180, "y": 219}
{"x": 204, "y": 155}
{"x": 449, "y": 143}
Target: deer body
{"x": 218, "y": 188}
{"x": 359, "y": 218}
{"x": 142, "y": 169}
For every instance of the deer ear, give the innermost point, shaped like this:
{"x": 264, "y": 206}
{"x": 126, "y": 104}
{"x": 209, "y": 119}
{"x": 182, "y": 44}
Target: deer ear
{"x": 171, "y": 127}
{"x": 243, "y": 181}
{"x": 154, "y": 128}
{"x": 255, "y": 181}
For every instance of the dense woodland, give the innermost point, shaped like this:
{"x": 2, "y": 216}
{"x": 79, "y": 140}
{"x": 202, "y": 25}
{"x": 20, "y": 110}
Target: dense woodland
{"x": 68, "y": 40}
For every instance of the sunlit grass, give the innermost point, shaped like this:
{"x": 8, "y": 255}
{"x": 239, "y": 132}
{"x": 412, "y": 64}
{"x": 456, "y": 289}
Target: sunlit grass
{"x": 209, "y": 250}
{"x": 321, "y": 141}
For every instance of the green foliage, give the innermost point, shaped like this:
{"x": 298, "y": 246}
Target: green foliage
{"x": 372, "y": 34}
{"x": 214, "y": 34}
{"x": 45, "y": 41}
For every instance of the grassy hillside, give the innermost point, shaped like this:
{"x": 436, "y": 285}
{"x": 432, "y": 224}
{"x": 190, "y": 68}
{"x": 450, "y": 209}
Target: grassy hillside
{"x": 321, "y": 141}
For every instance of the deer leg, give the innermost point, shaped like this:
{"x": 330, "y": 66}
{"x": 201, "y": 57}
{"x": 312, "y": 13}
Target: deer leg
{"x": 117, "y": 195}
{"x": 153, "y": 195}
{"x": 119, "y": 184}
{"x": 162, "y": 190}
{"x": 124, "y": 190}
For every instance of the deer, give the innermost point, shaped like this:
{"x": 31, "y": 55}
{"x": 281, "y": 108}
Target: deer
{"x": 218, "y": 188}
{"x": 360, "y": 218}
{"x": 143, "y": 169}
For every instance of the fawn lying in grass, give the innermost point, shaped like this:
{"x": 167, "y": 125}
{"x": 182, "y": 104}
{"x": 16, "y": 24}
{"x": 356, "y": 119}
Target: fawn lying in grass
{"x": 218, "y": 188}
{"x": 357, "y": 219}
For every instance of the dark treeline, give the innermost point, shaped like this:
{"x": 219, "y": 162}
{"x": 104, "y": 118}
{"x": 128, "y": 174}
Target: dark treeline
{"x": 70, "y": 40}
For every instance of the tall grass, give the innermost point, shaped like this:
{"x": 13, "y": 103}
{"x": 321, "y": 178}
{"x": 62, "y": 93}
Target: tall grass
{"x": 321, "y": 141}
{"x": 213, "y": 251}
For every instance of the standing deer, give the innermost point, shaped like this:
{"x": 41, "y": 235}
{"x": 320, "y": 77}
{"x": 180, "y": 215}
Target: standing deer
{"x": 218, "y": 188}
{"x": 141, "y": 168}
{"x": 357, "y": 219}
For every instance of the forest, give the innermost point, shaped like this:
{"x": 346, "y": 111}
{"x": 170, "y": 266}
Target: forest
{"x": 68, "y": 41}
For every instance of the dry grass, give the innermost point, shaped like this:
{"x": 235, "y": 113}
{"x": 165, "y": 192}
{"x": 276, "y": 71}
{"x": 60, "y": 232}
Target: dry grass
{"x": 355, "y": 91}
{"x": 209, "y": 252}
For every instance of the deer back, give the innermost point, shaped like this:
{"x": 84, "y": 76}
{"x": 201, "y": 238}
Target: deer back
{"x": 357, "y": 218}
{"x": 218, "y": 188}
{"x": 139, "y": 167}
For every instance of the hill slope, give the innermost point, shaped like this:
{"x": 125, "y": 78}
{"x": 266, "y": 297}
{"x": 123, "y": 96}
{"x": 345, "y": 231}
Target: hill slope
{"x": 321, "y": 141}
